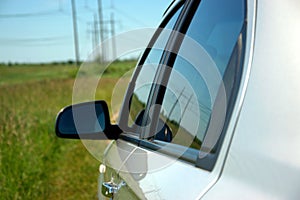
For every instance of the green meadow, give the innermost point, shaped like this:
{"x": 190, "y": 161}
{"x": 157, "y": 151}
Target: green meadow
{"x": 34, "y": 163}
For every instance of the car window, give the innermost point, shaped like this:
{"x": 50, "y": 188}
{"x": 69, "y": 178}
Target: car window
{"x": 145, "y": 78}
{"x": 190, "y": 96}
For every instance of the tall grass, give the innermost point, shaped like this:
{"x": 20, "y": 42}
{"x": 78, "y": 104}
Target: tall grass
{"x": 34, "y": 163}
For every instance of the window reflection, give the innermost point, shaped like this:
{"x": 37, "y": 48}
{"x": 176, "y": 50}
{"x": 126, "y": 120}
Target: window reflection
{"x": 145, "y": 78}
{"x": 188, "y": 104}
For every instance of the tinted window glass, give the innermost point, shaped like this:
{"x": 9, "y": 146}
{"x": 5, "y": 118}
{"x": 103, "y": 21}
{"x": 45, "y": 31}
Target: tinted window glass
{"x": 145, "y": 78}
{"x": 191, "y": 94}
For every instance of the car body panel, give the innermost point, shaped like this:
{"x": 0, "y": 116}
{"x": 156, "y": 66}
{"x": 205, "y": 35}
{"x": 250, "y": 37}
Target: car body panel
{"x": 158, "y": 179}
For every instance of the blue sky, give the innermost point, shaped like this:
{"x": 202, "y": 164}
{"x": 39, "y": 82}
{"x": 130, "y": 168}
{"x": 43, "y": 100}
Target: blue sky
{"x": 42, "y": 30}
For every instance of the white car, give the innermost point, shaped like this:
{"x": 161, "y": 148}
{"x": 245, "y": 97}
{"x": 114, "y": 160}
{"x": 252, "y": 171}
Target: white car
{"x": 212, "y": 110}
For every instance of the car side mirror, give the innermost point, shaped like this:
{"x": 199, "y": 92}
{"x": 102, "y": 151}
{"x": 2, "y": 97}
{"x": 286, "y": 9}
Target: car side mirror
{"x": 88, "y": 120}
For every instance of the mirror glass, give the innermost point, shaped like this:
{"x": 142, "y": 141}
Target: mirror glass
{"x": 85, "y": 118}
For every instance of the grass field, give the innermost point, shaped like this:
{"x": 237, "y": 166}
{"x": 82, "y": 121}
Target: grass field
{"x": 34, "y": 163}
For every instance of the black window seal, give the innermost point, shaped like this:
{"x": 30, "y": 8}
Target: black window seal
{"x": 185, "y": 154}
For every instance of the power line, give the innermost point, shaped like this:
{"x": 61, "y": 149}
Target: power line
{"x": 33, "y": 39}
{"x": 87, "y": 7}
{"x": 44, "y": 44}
{"x": 44, "y": 41}
{"x": 37, "y": 14}
{"x": 133, "y": 19}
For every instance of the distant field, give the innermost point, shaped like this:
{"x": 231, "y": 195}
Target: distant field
{"x": 30, "y": 73}
{"x": 34, "y": 163}
{"x": 20, "y": 74}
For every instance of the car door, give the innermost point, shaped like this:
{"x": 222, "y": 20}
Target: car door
{"x": 179, "y": 104}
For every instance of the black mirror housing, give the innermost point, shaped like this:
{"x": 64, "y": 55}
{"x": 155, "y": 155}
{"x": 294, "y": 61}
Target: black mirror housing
{"x": 89, "y": 120}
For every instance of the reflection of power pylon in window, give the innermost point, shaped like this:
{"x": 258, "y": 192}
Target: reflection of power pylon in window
{"x": 185, "y": 107}
{"x": 174, "y": 105}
